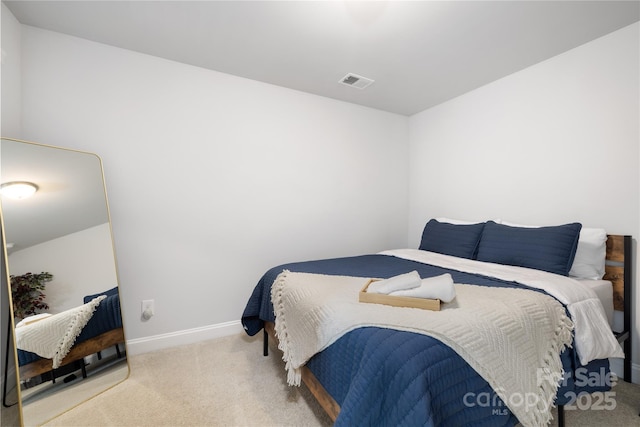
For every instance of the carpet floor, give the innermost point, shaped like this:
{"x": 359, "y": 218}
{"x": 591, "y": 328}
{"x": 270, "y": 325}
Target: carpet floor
{"x": 227, "y": 382}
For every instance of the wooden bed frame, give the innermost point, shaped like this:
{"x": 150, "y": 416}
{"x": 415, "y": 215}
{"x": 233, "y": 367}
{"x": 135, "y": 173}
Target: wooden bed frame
{"x": 77, "y": 352}
{"x": 323, "y": 397}
{"x": 618, "y": 271}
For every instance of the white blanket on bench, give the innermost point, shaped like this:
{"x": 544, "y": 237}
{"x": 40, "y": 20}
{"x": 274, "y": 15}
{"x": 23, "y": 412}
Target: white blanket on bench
{"x": 52, "y": 337}
{"x": 511, "y": 337}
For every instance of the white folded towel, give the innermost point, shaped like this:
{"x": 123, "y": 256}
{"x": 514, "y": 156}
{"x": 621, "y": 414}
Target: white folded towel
{"x": 405, "y": 281}
{"x": 438, "y": 287}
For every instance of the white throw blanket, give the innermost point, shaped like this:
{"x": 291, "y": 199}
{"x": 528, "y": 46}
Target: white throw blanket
{"x": 511, "y": 337}
{"x": 593, "y": 336}
{"x": 52, "y": 337}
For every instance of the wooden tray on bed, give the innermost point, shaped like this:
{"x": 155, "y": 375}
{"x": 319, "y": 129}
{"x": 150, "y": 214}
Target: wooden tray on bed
{"x": 396, "y": 301}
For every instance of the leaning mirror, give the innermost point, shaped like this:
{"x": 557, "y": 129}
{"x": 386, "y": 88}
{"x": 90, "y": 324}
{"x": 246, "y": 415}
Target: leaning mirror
{"x": 67, "y": 324}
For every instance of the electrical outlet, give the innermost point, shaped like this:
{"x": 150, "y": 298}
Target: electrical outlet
{"x": 148, "y": 309}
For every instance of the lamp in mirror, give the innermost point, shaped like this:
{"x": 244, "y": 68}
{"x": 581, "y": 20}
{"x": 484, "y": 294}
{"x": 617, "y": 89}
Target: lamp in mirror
{"x": 18, "y": 189}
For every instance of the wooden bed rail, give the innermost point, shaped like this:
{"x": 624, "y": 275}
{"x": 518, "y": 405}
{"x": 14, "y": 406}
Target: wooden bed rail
{"x": 77, "y": 352}
{"x": 325, "y": 400}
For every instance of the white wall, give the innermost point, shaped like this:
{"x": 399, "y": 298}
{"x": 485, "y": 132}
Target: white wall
{"x": 212, "y": 179}
{"x": 10, "y": 86}
{"x": 554, "y": 143}
{"x": 81, "y": 264}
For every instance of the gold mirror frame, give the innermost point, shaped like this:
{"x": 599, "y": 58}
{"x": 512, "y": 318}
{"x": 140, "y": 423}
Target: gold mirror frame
{"x": 52, "y": 169}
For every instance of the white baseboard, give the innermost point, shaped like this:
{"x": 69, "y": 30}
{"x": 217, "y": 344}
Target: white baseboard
{"x": 617, "y": 366}
{"x": 188, "y": 336}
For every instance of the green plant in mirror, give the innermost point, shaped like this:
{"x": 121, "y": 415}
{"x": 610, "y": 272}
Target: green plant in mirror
{"x": 27, "y": 293}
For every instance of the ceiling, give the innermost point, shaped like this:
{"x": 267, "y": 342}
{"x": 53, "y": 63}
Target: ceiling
{"x": 419, "y": 53}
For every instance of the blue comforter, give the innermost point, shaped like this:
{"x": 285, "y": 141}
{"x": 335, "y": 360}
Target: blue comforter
{"x": 387, "y": 377}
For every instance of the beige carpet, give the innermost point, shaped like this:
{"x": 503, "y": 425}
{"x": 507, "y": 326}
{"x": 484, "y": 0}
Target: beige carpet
{"x": 223, "y": 382}
{"x": 227, "y": 382}
{"x": 43, "y": 402}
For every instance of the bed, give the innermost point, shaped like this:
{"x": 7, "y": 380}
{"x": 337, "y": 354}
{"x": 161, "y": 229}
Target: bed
{"x": 103, "y": 330}
{"x": 373, "y": 375}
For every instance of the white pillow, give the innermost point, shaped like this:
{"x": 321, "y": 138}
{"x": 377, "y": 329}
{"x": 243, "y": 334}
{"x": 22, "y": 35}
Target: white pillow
{"x": 511, "y": 224}
{"x": 590, "y": 254}
{"x": 457, "y": 221}
{"x": 31, "y": 319}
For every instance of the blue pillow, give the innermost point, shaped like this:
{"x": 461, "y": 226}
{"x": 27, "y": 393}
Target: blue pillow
{"x": 549, "y": 249}
{"x": 459, "y": 240}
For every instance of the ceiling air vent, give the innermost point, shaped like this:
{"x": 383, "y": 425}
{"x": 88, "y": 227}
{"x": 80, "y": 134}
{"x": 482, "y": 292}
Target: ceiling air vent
{"x": 356, "y": 81}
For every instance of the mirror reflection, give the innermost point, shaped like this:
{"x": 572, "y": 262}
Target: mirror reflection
{"x": 67, "y": 322}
